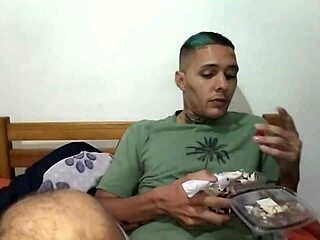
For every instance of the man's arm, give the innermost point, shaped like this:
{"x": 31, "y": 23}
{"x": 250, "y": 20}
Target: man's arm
{"x": 131, "y": 210}
{"x": 285, "y": 146}
{"x": 290, "y": 178}
{"x": 167, "y": 200}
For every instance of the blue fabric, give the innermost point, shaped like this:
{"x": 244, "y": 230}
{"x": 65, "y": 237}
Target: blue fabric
{"x": 32, "y": 179}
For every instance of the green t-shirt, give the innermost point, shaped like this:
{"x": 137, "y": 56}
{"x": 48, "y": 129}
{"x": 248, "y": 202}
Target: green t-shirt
{"x": 156, "y": 153}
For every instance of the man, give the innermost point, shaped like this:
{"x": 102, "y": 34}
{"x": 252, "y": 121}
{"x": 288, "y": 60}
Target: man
{"x": 143, "y": 186}
{"x": 59, "y": 215}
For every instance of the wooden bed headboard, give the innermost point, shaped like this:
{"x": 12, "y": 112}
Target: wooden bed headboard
{"x": 11, "y": 158}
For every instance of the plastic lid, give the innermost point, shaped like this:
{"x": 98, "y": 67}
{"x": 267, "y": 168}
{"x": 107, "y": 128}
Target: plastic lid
{"x": 271, "y": 209}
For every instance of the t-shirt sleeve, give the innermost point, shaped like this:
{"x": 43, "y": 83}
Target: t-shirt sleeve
{"x": 269, "y": 167}
{"x": 125, "y": 171}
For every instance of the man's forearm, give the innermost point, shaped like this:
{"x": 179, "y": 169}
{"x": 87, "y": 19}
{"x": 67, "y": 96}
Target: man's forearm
{"x": 290, "y": 177}
{"x": 134, "y": 209}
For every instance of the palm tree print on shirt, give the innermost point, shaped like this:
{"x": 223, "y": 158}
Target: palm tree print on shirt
{"x": 209, "y": 150}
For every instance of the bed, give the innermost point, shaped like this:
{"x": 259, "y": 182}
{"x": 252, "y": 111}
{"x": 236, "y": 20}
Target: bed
{"x": 10, "y": 132}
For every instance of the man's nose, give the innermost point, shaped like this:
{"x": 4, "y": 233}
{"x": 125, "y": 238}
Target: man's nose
{"x": 221, "y": 82}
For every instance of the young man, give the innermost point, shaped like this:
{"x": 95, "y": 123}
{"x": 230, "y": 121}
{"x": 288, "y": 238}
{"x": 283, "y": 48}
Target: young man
{"x": 143, "y": 187}
{"x": 59, "y": 215}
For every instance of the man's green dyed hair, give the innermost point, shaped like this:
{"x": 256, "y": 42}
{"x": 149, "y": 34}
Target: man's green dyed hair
{"x": 202, "y": 39}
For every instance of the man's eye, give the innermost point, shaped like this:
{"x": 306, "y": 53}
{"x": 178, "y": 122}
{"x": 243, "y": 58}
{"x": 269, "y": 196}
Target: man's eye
{"x": 207, "y": 75}
{"x": 230, "y": 77}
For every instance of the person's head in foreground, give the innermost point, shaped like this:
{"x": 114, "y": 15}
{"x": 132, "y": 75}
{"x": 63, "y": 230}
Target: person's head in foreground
{"x": 58, "y": 215}
{"x": 207, "y": 76}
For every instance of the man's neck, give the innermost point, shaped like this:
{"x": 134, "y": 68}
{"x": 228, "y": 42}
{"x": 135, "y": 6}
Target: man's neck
{"x": 190, "y": 118}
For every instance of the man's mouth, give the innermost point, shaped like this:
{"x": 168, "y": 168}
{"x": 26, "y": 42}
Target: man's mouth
{"x": 219, "y": 102}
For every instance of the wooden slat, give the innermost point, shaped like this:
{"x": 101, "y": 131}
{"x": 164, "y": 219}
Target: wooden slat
{"x": 26, "y": 157}
{"x": 5, "y": 145}
{"x": 67, "y": 131}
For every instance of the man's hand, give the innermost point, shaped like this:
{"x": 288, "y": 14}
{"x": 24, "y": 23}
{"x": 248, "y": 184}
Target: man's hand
{"x": 284, "y": 145}
{"x": 169, "y": 200}
{"x": 196, "y": 210}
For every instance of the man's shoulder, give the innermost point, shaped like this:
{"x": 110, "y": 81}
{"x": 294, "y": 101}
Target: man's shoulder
{"x": 147, "y": 125}
{"x": 150, "y": 123}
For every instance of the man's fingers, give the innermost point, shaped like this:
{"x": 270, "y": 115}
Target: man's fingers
{"x": 198, "y": 199}
{"x": 272, "y": 141}
{"x": 203, "y": 199}
{"x": 216, "y": 202}
{"x": 288, "y": 121}
{"x": 214, "y": 218}
{"x": 199, "y": 216}
{"x": 289, "y": 125}
{"x": 277, "y": 153}
{"x": 204, "y": 175}
{"x": 271, "y": 130}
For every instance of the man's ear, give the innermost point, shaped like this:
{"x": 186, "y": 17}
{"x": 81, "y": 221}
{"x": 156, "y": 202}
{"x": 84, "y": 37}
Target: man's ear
{"x": 180, "y": 80}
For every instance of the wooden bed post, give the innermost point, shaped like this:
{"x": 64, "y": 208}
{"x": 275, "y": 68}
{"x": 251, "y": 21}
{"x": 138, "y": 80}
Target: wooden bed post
{"x": 5, "y": 146}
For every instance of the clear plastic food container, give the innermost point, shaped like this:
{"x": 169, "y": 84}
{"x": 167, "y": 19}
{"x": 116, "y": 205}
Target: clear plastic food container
{"x": 270, "y": 209}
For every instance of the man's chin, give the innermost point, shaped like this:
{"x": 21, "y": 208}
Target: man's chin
{"x": 216, "y": 113}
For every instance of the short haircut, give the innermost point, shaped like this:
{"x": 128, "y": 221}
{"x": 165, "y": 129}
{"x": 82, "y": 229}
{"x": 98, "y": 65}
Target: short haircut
{"x": 202, "y": 39}
{"x": 62, "y": 214}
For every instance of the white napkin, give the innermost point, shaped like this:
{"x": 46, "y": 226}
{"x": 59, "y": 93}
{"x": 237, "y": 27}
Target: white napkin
{"x": 192, "y": 187}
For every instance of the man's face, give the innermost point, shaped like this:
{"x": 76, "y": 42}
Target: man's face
{"x": 208, "y": 81}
